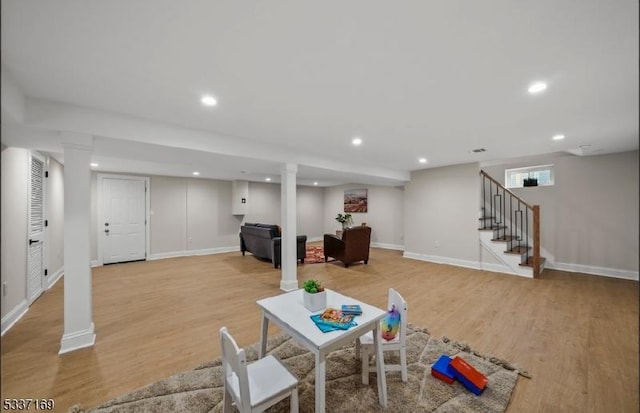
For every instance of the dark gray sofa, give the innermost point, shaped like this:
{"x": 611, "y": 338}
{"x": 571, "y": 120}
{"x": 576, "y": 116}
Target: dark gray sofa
{"x": 264, "y": 241}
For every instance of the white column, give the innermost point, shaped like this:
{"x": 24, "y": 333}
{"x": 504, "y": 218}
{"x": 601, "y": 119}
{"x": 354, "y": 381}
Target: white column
{"x": 78, "y": 314}
{"x": 288, "y": 214}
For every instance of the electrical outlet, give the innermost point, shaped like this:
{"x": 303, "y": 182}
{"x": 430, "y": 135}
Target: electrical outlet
{"x": 4, "y": 289}
{"x": 436, "y": 244}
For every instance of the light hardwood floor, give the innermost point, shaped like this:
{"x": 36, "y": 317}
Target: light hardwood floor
{"x": 576, "y": 334}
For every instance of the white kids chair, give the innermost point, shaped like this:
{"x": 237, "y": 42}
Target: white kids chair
{"x": 365, "y": 348}
{"x": 257, "y": 386}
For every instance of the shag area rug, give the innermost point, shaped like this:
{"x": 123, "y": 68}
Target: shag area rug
{"x": 315, "y": 254}
{"x": 200, "y": 390}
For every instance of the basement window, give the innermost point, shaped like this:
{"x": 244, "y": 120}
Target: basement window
{"x": 520, "y": 177}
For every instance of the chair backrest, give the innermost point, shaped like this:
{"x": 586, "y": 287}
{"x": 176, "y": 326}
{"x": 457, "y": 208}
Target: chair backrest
{"x": 234, "y": 365}
{"x": 356, "y": 242}
{"x": 395, "y": 299}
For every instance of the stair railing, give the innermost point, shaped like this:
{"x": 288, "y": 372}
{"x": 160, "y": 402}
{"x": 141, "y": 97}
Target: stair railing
{"x": 504, "y": 209}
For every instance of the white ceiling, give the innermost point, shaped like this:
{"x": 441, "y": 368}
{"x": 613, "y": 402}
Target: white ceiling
{"x": 297, "y": 80}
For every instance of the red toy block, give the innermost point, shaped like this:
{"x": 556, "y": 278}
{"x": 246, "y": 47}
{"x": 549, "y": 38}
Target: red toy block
{"x": 469, "y": 373}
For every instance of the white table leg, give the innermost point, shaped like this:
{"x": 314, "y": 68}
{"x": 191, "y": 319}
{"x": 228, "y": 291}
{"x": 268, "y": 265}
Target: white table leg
{"x": 382, "y": 378}
{"x": 263, "y": 336}
{"x": 320, "y": 383}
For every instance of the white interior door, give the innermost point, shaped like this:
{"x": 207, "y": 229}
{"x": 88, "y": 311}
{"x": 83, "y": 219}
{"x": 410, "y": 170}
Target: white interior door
{"x": 35, "y": 255}
{"x": 124, "y": 214}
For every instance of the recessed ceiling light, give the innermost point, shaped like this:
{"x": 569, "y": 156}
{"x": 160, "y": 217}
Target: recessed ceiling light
{"x": 94, "y": 165}
{"x": 196, "y": 173}
{"x": 315, "y": 183}
{"x": 208, "y": 100}
{"x": 422, "y": 160}
{"x": 267, "y": 179}
{"x": 537, "y": 87}
{"x": 356, "y": 141}
{"x": 558, "y": 137}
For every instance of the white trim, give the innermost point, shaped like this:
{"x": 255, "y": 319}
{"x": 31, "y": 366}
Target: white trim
{"x": 387, "y": 246}
{"x": 95, "y": 263}
{"x": 174, "y": 254}
{"x": 488, "y": 266}
{"x": 442, "y": 260}
{"x": 315, "y": 239}
{"x": 287, "y": 285}
{"x": 586, "y": 269}
{"x": 53, "y": 279}
{"x": 77, "y": 340}
{"x": 462, "y": 263}
{"x": 593, "y": 270}
{"x": 147, "y": 215}
{"x": 13, "y": 316}
{"x": 529, "y": 170}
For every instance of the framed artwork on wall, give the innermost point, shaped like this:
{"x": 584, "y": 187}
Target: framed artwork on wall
{"x": 355, "y": 200}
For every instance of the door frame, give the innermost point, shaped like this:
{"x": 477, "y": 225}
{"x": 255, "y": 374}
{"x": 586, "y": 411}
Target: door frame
{"x": 100, "y": 212}
{"x": 45, "y": 259}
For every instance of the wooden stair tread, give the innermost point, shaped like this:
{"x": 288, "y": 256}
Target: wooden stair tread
{"x": 518, "y": 250}
{"x": 493, "y": 228}
{"x": 506, "y": 238}
{"x": 529, "y": 262}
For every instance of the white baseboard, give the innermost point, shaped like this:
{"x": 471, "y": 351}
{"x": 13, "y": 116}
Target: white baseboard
{"x": 488, "y": 266}
{"x": 174, "y": 254}
{"x": 442, "y": 260}
{"x": 13, "y": 316}
{"x": 95, "y": 263}
{"x": 287, "y": 286}
{"x": 53, "y": 279}
{"x": 77, "y": 340}
{"x": 589, "y": 269}
{"x": 387, "y": 246}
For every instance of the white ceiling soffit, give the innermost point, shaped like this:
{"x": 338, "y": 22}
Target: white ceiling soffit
{"x": 296, "y": 81}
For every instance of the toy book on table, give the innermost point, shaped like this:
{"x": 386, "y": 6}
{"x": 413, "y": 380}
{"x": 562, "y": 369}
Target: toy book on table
{"x": 354, "y": 309}
{"x": 333, "y": 318}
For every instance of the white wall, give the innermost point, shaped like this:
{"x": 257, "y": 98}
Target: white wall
{"x": 55, "y": 215}
{"x": 589, "y": 218}
{"x": 209, "y": 220}
{"x": 190, "y": 214}
{"x": 441, "y": 215}
{"x": 13, "y": 259}
{"x": 264, "y": 203}
{"x": 15, "y": 191}
{"x": 310, "y": 207}
{"x": 94, "y": 217}
{"x": 264, "y": 207}
{"x": 194, "y": 215}
{"x": 385, "y": 213}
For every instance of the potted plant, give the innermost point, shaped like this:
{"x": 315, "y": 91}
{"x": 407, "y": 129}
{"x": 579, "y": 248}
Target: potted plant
{"x": 314, "y": 295}
{"x": 345, "y": 220}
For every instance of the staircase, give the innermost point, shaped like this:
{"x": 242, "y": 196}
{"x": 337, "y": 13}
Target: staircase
{"x": 510, "y": 229}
